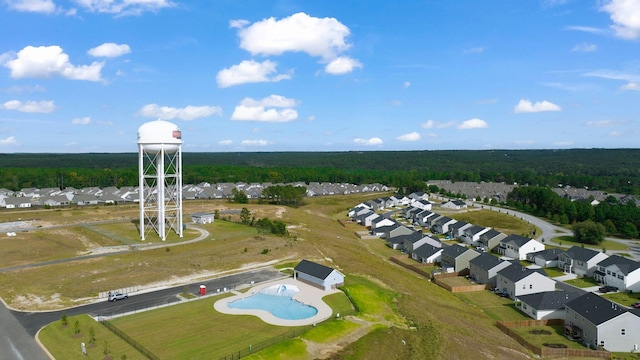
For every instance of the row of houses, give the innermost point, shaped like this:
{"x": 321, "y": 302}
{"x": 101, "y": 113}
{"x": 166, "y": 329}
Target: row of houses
{"x": 56, "y": 197}
{"x": 493, "y": 258}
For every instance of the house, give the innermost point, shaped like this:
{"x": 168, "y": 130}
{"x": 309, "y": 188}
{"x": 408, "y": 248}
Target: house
{"x": 422, "y": 204}
{"x": 390, "y": 231}
{"x": 366, "y": 218}
{"x": 471, "y": 235}
{"x": 455, "y": 258}
{"x": 397, "y": 242}
{"x": 491, "y": 239}
{"x": 517, "y": 247}
{"x": 454, "y": 205}
{"x": 545, "y": 258}
{"x": 55, "y": 200}
{"x": 441, "y": 226}
{"x": 455, "y": 229}
{"x": 580, "y": 261}
{"x": 517, "y": 280}
{"x": 381, "y": 221}
{"x": 599, "y": 323}
{"x": 413, "y": 241}
{"x": 418, "y": 195}
{"x": 318, "y": 275}
{"x": 202, "y": 218}
{"x": 546, "y": 305}
{"x": 620, "y": 272}
{"x": 483, "y": 268}
{"x": 422, "y": 218}
{"x": 17, "y": 202}
{"x": 85, "y": 199}
{"x": 427, "y": 254}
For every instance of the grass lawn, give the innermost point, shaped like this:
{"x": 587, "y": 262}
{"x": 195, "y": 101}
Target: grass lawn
{"x": 554, "y": 272}
{"x": 583, "y": 282}
{"x": 539, "y": 335}
{"x": 498, "y": 221}
{"x": 194, "y": 330}
{"x": 623, "y": 298}
{"x": 63, "y": 343}
{"x": 606, "y": 244}
{"x": 496, "y": 307}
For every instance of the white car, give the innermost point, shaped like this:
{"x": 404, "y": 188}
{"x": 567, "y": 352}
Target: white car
{"x": 117, "y": 296}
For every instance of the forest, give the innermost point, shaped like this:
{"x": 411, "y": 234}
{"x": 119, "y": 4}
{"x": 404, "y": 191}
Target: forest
{"x": 610, "y": 170}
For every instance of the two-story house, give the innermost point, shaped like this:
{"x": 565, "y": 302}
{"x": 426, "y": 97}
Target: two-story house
{"x": 620, "y": 272}
{"x": 580, "y": 261}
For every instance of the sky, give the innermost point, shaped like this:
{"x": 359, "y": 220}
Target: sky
{"x": 81, "y": 76}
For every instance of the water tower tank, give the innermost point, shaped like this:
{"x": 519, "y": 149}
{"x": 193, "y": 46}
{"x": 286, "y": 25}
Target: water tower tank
{"x": 159, "y": 134}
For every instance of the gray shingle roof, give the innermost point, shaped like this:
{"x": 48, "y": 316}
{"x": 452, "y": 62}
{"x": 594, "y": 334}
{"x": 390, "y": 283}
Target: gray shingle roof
{"x": 580, "y": 253}
{"x": 314, "y": 269}
{"x": 595, "y": 308}
{"x": 426, "y": 250}
{"x": 515, "y": 239}
{"x": 486, "y": 261}
{"x": 549, "y": 300}
{"x": 517, "y": 272}
{"x": 547, "y": 254}
{"x": 625, "y": 265}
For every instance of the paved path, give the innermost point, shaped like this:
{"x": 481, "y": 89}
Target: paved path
{"x": 15, "y": 342}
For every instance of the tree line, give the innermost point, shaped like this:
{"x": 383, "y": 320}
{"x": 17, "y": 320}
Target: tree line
{"x": 609, "y": 170}
{"x": 590, "y": 223}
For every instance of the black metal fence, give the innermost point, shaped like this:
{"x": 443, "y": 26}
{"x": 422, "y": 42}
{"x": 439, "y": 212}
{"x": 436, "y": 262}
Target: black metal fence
{"x": 136, "y": 345}
{"x": 265, "y": 344}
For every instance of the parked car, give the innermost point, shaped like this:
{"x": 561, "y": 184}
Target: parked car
{"x": 636, "y": 305}
{"x": 607, "y": 288}
{"x": 117, "y": 296}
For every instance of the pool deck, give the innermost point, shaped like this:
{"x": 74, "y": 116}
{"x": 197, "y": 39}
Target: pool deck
{"x": 308, "y": 295}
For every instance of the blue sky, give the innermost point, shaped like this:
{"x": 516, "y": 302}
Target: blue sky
{"x": 259, "y": 75}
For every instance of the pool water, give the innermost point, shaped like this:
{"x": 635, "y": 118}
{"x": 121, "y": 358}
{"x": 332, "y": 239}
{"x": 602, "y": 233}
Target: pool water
{"x": 283, "y": 307}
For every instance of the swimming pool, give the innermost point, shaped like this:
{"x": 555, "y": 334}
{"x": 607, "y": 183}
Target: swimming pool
{"x": 277, "y": 300}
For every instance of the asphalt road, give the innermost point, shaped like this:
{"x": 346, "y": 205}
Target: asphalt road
{"x": 18, "y": 330}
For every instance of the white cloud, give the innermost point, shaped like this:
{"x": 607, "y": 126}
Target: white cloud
{"x": 585, "y": 47}
{"x": 11, "y": 140}
{"x": 238, "y": 24}
{"x": 318, "y": 37}
{"x": 430, "y": 124}
{"x": 406, "y": 84}
{"x": 342, "y": 65}
{"x": 259, "y": 113}
{"x": 586, "y": 29}
{"x": 258, "y": 110}
{"x": 36, "y": 6}
{"x": 412, "y": 136}
{"x": 474, "y": 50}
{"x": 186, "y": 113}
{"x": 563, "y": 143}
{"x": 633, "y": 86}
{"x": 25, "y": 89}
{"x": 124, "y": 7}
{"x": 48, "y": 61}
{"x": 109, "y": 50}
{"x": 29, "y": 106}
{"x": 474, "y": 123}
{"x": 73, "y": 143}
{"x": 601, "y": 123}
{"x": 81, "y": 121}
{"x": 225, "y": 142}
{"x": 368, "y": 142}
{"x": 249, "y": 71}
{"x": 311, "y": 118}
{"x": 258, "y": 142}
{"x": 271, "y": 100}
{"x": 525, "y": 106}
{"x": 625, "y": 15}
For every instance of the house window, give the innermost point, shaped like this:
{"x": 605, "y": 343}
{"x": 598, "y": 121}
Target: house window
{"x": 622, "y": 332}
{"x": 608, "y": 272}
{"x": 620, "y": 277}
{"x": 530, "y": 286}
{"x": 524, "y": 286}
{"x": 613, "y": 274}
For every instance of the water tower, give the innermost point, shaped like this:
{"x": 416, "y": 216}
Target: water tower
{"x": 160, "y": 174}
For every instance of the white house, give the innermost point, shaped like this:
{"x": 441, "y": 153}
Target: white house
{"x": 517, "y": 247}
{"x": 580, "y": 261}
{"x": 600, "y": 323}
{"x": 620, "y": 272}
{"x": 202, "y": 218}
{"x": 517, "y": 280}
{"x": 318, "y": 275}
{"x": 454, "y": 205}
{"x": 546, "y": 305}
